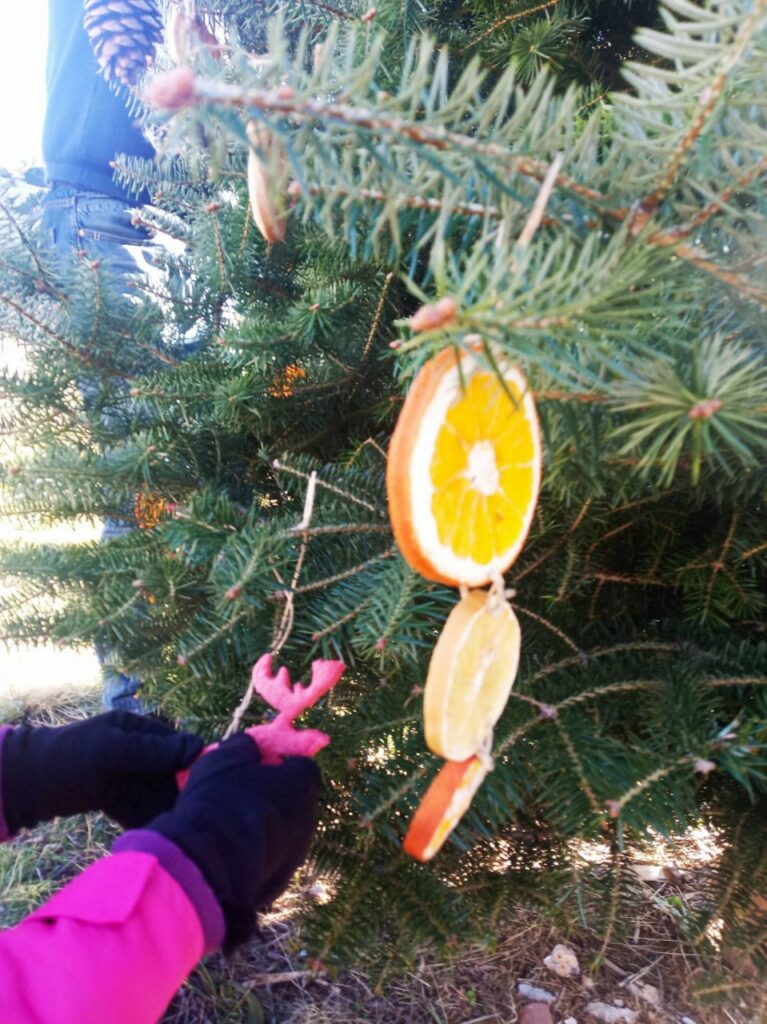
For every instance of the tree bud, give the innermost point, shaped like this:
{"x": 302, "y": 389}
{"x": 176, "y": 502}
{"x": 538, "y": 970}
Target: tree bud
{"x": 435, "y": 315}
{"x": 173, "y": 90}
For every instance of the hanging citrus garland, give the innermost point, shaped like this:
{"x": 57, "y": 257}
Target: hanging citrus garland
{"x": 463, "y": 477}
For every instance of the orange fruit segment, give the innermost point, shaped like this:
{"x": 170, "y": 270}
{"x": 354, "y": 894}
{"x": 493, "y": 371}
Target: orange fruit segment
{"x": 464, "y": 469}
{"x": 446, "y": 801}
{"x": 470, "y": 676}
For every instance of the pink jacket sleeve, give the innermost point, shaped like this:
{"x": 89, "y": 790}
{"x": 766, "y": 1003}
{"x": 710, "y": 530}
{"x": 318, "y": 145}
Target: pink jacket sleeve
{"x": 115, "y": 944}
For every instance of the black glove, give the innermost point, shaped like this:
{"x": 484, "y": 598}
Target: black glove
{"x": 247, "y": 826}
{"x": 120, "y": 763}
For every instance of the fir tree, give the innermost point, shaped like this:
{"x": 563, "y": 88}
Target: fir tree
{"x": 612, "y": 247}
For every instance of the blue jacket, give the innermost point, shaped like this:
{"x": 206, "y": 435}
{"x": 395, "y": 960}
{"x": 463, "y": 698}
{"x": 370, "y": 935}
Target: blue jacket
{"x": 86, "y": 123}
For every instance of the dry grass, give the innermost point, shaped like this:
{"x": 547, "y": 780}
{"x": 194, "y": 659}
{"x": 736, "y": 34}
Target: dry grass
{"x": 271, "y": 983}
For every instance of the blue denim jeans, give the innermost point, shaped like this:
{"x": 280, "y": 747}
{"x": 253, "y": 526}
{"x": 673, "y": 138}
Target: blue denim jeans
{"x": 80, "y": 224}
{"x": 97, "y": 226}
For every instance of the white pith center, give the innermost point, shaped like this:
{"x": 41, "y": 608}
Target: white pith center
{"x": 483, "y": 469}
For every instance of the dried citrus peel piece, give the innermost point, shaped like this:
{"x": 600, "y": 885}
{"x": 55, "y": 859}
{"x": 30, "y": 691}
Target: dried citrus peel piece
{"x": 471, "y": 674}
{"x": 446, "y": 801}
{"x": 464, "y": 468}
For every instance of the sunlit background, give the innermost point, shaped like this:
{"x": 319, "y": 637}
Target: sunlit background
{"x": 23, "y": 44}
{"x": 22, "y": 82}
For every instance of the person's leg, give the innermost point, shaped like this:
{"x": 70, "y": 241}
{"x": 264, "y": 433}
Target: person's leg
{"x": 91, "y": 226}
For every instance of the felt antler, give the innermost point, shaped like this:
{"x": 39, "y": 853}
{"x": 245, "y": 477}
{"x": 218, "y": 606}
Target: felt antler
{"x": 279, "y": 738}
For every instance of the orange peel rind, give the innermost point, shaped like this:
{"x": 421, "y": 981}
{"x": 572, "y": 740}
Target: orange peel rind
{"x": 446, "y": 801}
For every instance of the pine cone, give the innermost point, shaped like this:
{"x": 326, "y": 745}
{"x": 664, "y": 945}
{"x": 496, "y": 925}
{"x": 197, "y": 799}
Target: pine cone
{"x": 124, "y": 35}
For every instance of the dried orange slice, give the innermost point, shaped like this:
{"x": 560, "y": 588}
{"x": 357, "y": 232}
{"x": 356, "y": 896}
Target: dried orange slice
{"x": 464, "y": 469}
{"x": 470, "y": 675}
{"x": 446, "y": 801}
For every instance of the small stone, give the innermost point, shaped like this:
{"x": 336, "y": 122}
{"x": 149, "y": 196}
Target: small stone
{"x": 534, "y": 994}
{"x": 607, "y": 1014}
{"x": 562, "y": 962}
{"x": 618, "y": 1002}
{"x": 587, "y": 982}
{"x": 687, "y": 1020}
{"x": 535, "y": 1013}
{"x": 569, "y": 1020}
{"x": 647, "y": 993}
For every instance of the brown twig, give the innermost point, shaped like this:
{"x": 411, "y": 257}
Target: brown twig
{"x": 376, "y": 318}
{"x": 509, "y": 18}
{"x": 210, "y": 92}
{"x": 9, "y": 216}
{"x": 316, "y": 531}
{"x": 347, "y": 495}
{"x": 718, "y": 565}
{"x": 330, "y": 580}
{"x": 707, "y": 102}
{"x": 413, "y": 202}
{"x": 539, "y": 206}
{"x": 580, "y": 771}
{"x": 338, "y": 623}
{"x": 586, "y": 397}
{"x": 81, "y": 356}
{"x": 558, "y": 544}
{"x": 728, "y": 277}
{"x": 754, "y": 551}
{"x": 583, "y": 659}
{"x": 636, "y": 581}
{"x": 549, "y": 625}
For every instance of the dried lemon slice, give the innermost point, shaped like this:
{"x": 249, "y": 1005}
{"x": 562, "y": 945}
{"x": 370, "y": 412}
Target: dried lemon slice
{"x": 470, "y": 675}
{"x": 464, "y": 469}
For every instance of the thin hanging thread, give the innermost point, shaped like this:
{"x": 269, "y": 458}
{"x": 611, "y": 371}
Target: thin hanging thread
{"x": 288, "y": 613}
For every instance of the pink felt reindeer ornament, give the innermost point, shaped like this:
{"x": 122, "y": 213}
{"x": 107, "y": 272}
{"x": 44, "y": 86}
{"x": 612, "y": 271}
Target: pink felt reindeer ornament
{"x": 280, "y": 738}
